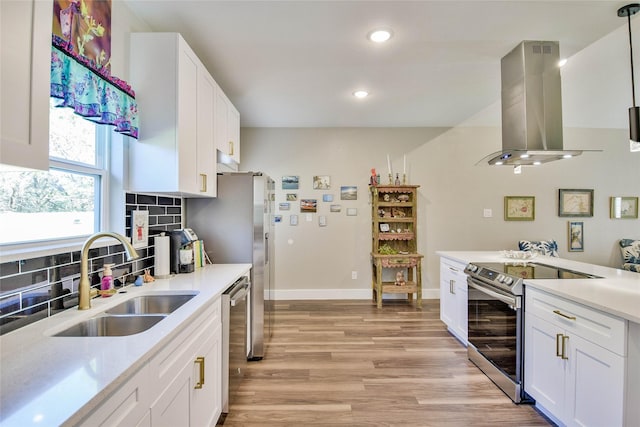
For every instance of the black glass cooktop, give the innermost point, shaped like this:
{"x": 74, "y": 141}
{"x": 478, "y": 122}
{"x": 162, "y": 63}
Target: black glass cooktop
{"x": 534, "y": 270}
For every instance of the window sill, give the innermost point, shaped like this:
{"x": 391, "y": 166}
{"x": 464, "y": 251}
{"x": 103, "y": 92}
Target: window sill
{"x": 12, "y": 253}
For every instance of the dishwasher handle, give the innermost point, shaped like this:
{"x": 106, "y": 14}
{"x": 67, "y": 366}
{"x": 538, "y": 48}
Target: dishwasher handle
{"x": 238, "y": 291}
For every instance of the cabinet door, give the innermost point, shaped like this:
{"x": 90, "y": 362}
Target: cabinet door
{"x": 25, "y": 67}
{"x": 595, "y": 385}
{"x": 187, "y": 119}
{"x": 206, "y": 400}
{"x": 233, "y": 130}
{"x": 544, "y": 371}
{"x": 129, "y": 405}
{"x": 172, "y": 408}
{"x": 206, "y": 153}
{"x": 227, "y": 126}
{"x": 461, "y": 327}
{"x": 222, "y": 122}
{"x": 447, "y": 296}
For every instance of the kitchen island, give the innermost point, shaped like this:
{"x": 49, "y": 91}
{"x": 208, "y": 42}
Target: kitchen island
{"x": 581, "y": 340}
{"x": 50, "y": 380}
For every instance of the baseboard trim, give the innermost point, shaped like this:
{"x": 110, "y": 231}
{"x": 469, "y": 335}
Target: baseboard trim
{"x": 320, "y": 294}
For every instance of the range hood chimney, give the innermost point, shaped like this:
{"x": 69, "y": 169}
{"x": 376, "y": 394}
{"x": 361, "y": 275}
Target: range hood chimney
{"x": 531, "y": 107}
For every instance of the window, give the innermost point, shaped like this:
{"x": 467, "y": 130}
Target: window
{"x": 66, "y": 201}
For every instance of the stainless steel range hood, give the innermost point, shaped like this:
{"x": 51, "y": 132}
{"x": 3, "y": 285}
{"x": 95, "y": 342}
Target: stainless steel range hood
{"x": 531, "y": 107}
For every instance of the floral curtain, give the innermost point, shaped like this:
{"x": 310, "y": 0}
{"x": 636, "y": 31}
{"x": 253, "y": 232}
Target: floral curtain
{"x": 80, "y": 66}
{"x": 106, "y": 101}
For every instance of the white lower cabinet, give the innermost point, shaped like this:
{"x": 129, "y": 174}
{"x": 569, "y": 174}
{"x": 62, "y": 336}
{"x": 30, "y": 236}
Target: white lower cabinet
{"x": 181, "y": 385}
{"x": 127, "y": 406}
{"x": 568, "y": 371}
{"x": 188, "y": 373}
{"x": 453, "y": 298}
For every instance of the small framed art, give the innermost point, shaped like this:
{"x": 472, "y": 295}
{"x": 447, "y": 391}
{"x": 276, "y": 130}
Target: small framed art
{"x": 519, "y": 208}
{"x": 623, "y": 207}
{"x": 575, "y": 202}
{"x": 140, "y": 229}
{"x": 576, "y": 236}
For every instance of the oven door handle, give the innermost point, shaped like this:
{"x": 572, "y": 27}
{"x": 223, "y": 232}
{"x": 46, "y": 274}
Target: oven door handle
{"x": 504, "y": 298}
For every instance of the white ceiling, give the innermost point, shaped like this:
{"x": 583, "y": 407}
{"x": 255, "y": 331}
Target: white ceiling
{"x": 296, "y": 63}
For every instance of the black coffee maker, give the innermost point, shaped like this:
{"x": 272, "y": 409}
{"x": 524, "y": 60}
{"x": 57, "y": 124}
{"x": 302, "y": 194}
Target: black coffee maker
{"x": 181, "y": 257}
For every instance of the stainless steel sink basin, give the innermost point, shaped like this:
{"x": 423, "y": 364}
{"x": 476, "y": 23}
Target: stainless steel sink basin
{"x": 151, "y": 304}
{"x": 111, "y": 326}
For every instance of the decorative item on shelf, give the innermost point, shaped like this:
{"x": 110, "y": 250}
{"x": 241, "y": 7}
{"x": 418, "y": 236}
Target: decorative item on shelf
{"x": 404, "y": 169}
{"x": 373, "y": 180}
{"x": 397, "y": 179}
{"x": 634, "y": 111}
{"x": 400, "y": 278}
{"x": 387, "y": 250}
{"x": 403, "y": 198}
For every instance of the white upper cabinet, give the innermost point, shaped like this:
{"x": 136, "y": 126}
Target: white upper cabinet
{"x": 175, "y": 152}
{"x": 25, "y": 64}
{"x": 227, "y": 127}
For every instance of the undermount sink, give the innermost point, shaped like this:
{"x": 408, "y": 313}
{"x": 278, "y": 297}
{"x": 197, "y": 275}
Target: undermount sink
{"x": 111, "y": 326}
{"x": 151, "y": 304}
{"x": 130, "y": 317}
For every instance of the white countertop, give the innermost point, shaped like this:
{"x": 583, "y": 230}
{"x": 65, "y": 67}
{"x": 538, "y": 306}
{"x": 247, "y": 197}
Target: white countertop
{"x": 617, "y": 293}
{"x": 46, "y": 380}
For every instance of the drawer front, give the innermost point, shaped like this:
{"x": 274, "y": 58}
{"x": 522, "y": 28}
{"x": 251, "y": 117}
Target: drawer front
{"x": 593, "y": 325}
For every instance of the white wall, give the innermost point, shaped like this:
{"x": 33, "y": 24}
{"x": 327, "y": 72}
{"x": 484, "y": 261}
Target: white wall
{"x": 454, "y": 191}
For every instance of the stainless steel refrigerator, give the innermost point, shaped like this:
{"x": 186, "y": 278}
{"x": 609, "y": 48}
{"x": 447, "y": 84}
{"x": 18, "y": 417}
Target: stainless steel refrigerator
{"x": 237, "y": 227}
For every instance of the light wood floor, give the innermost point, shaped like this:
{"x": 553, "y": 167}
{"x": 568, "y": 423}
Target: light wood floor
{"x": 347, "y": 363}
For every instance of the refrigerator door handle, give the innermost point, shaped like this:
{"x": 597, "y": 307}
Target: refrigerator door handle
{"x": 266, "y": 248}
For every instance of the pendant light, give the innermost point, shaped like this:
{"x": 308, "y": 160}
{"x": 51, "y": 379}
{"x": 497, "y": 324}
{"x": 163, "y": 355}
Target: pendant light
{"x": 634, "y": 112}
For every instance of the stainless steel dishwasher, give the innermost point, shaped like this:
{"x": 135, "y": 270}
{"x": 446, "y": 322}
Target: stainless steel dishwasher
{"x": 234, "y": 338}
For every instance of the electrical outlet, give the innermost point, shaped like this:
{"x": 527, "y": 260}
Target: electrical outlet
{"x": 354, "y": 275}
{"x": 487, "y": 213}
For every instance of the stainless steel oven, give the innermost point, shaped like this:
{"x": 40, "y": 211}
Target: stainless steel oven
{"x": 496, "y": 319}
{"x": 496, "y": 322}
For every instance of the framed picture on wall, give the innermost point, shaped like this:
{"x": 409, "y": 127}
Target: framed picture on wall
{"x": 519, "y": 208}
{"x": 290, "y": 182}
{"x": 623, "y": 207}
{"x": 575, "y": 202}
{"x": 576, "y": 236}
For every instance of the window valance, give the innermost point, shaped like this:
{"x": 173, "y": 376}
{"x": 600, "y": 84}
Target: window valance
{"x": 93, "y": 94}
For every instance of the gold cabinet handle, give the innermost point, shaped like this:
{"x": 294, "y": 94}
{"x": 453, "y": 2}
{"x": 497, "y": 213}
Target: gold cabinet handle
{"x": 231, "y": 148}
{"x": 200, "y": 361}
{"x": 564, "y": 347}
{"x": 558, "y": 350}
{"x": 203, "y": 182}
{"x": 559, "y": 313}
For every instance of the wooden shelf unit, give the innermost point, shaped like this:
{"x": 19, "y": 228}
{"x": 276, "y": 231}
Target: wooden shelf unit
{"x": 393, "y": 241}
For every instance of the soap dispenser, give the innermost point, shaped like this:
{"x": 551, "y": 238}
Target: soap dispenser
{"x": 107, "y": 280}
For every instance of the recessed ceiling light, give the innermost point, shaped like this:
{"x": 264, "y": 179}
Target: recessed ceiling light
{"x": 567, "y": 156}
{"x": 379, "y": 36}
{"x": 562, "y": 62}
{"x": 361, "y": 94}
{"x": 537, "y": 163}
